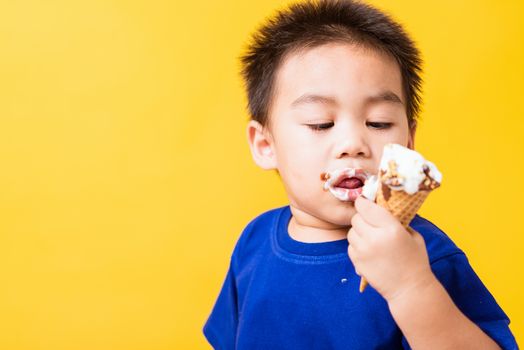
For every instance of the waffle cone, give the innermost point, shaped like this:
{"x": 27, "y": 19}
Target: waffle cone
{"x": 402, "y": 205}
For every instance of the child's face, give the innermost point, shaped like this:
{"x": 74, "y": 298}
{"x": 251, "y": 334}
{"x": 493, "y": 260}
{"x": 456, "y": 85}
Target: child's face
{"x": 330, "y": 88}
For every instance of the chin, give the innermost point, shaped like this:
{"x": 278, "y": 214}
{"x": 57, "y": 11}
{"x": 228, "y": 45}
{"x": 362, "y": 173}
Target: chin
{"x": 342, "y": 223}
{"x": 343, "y": 217}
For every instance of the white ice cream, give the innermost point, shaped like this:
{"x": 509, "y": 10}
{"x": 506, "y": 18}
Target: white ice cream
{"x": 410, "y": 167}
{"x": 370, "y": 188}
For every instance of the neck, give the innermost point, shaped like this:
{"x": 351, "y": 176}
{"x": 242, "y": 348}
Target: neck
{"x": 308, "y": 229}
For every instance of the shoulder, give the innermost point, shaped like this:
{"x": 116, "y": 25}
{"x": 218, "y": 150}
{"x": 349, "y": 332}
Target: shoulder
{"x": 257, "y": 233}
{"x": 263, "y": 223}
{"x": 438, "y": 243}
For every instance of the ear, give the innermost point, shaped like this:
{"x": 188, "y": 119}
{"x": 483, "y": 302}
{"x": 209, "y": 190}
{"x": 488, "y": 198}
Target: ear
{"x": 411, "y": 137}
{"x": 261, "y": 145}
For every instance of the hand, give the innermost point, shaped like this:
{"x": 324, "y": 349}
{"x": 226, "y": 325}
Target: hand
{"x": 392, "y": 259}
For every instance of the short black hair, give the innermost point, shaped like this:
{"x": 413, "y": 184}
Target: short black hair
{"x": 309, "y": 24}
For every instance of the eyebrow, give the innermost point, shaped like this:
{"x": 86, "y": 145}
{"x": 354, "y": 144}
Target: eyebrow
{"x": 312, "y": 98}
{"x": 385, "y": 96}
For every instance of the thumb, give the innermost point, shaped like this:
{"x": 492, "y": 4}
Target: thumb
{"x": 373, "y": 213}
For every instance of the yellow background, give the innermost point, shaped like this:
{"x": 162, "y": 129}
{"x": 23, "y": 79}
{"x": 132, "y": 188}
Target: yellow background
{"x": 125, "y": 174}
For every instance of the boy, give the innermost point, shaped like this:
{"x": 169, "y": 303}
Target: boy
{"x": 329, "y": 84}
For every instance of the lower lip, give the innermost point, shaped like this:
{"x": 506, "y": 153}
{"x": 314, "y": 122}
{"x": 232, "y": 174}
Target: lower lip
{"x": 348, "y": 195}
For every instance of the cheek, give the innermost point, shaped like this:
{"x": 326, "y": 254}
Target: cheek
{"x": 300, "y": 168}
{"x": 400, "y": 136}
{"x": 403, "y": 139}
{"x": 296, "y": 150}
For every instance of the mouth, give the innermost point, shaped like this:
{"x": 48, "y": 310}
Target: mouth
{"x": 346, "y": 184}
{"x": 350, "y": 183}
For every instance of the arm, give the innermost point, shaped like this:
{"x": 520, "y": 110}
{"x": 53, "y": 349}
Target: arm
{"x": 396, "y": 264}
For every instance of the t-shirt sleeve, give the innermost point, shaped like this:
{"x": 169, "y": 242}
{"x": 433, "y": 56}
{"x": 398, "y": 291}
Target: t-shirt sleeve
{"x": 474, "y": 300}
{"x": 221, "y": 326}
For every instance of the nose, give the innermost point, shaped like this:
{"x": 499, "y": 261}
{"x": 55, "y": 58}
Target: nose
{"x": 352, "y": 143}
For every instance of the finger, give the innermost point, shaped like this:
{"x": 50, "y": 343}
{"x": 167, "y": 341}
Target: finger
{"x": 352, "y": 256}
{"x": 363, "y": 229}
{"x": 353, "y": 238}
{"x": 374, "y": 214}
{"x": 351, "y": 253}
{"x": 359, "y": 224}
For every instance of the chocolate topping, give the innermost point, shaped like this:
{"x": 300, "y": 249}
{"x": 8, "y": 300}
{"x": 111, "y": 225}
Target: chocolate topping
{"x": 386, "y": 191}
{"x": 429, "y": 183}
{"x": 391, "y": 176}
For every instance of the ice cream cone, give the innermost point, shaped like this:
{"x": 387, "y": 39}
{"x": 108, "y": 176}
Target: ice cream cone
{"x": 402, "y": 205}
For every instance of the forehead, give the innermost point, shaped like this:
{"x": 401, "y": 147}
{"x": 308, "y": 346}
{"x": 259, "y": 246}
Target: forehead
{"x": 348, "y": 73}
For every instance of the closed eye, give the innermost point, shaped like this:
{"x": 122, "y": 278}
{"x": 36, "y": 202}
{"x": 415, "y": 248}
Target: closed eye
{"x": 379, "y": 126}
{"x": 320, "y": 127}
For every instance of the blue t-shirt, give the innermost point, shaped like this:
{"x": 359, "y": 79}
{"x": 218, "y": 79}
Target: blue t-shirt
{"x": 283, "y": 294}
